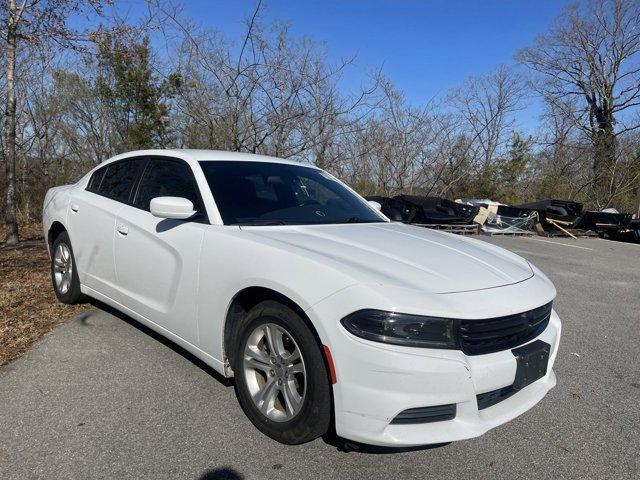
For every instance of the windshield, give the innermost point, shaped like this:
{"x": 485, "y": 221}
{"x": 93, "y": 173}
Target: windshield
{"x": 260, "y": 193}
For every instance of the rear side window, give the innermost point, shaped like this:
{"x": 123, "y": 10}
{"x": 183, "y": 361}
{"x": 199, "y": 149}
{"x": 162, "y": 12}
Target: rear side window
{"x": 118, "y": 179}
{"x": 167, "y": 178}
{"x": 94, "y": 181}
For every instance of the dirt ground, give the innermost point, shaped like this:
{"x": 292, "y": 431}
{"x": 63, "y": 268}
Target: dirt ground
{"x": 28, "y": 307}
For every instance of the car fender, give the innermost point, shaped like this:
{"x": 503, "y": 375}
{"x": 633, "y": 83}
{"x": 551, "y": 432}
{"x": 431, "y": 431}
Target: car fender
{"x": 55, "y": 209}
{"x": 223, "y": 275}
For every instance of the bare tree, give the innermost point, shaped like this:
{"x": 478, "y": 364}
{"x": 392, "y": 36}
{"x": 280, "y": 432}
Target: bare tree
{"x": 270, "y": 93}
{"x": 273, "y": 93}
{"x": 486, "y": 104}
{"x": 588, "y": 68}
{"x": 405, "y": 148}
{"x": 32, "y": 23}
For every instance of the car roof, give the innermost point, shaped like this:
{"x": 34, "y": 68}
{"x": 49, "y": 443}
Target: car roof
{"x": 207, "y": 155}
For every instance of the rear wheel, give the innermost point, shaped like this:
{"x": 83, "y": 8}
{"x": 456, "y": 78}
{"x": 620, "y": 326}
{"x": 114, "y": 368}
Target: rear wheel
{"x": 64, "y": 274}
{"x": 281, "y": 379}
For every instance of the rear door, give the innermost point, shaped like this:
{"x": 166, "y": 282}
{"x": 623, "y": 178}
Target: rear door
{"x": 157, "y": 260}
{"x": 92, "y": 221}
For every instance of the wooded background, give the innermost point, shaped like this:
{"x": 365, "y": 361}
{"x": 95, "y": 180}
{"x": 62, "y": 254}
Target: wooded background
{"x": 74, "y": 97}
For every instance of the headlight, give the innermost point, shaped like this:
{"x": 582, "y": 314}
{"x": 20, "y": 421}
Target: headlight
{"x": 401, "y": 329}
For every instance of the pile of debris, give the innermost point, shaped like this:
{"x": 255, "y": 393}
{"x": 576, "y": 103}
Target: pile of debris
{"x": 567, "y": 218}
{"x": 498, "y": 218}
{"x": 421, "y": 210}
{"x": 546, "y": 217}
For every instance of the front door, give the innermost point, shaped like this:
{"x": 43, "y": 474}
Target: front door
{"x": 157, "y": 259}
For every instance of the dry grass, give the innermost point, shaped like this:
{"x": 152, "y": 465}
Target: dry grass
{"x": 28, "y": 307}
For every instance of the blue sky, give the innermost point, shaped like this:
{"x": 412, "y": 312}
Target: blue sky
{"x": 425, "y": 46}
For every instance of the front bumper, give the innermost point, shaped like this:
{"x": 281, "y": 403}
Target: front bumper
{"x": 375, "y": 382}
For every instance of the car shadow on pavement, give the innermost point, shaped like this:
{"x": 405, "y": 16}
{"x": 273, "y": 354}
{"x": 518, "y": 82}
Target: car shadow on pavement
{"x": 221, "y": 474}
{"x": 227, "y": 382}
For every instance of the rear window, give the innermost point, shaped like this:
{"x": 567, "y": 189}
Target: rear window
{"x": 94, "y": 181}
{"x": 118, "y": 179}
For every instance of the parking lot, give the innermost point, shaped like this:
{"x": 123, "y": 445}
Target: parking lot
{"x": 102, "y": 397}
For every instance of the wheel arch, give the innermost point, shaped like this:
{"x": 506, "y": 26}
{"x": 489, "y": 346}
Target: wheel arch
{"x": 54, "y": 231}
{"x": 249, "y": 297}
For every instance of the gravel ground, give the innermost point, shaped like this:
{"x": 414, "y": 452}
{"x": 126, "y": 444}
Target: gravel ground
{"x": 104, "y": 398}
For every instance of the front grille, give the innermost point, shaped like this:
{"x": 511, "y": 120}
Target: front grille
{"x": 437, "y": 413}
{"x": 477, "y": 337}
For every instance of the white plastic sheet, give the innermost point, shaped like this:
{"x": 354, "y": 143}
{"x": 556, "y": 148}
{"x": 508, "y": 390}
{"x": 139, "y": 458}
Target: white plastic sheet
{"x": 502, "y": 224}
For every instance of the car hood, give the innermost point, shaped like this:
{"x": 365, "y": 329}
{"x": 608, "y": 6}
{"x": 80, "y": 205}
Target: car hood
{"x": 403, "y": 255}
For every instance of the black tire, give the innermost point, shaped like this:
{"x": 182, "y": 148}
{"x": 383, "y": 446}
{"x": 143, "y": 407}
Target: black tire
{"x": 72, "y": 294}
{"x": 314, "y": 416}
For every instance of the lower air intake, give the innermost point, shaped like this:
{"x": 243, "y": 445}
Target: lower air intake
{"x": 437, "y": 413}
{"x": 489, "y": 399}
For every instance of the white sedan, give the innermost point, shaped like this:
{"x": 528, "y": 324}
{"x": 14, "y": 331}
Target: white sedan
{"x": 327, "y": 314}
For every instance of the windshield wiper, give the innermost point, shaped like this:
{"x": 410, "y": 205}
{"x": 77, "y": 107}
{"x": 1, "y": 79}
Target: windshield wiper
{"x": 261, "y": 223}
{"x": 359, "y": 220}
{"x": 264, "y": 223}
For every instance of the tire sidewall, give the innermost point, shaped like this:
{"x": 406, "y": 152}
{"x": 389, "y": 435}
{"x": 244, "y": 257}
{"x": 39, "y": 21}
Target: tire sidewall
{"x": 73, "y": 295}
{"x": 314, "y": 418}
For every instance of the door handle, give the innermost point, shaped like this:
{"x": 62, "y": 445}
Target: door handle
{"x": 123, "y": 230}
{"x": 74, "y": 208}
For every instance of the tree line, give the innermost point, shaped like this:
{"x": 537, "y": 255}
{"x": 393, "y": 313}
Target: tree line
{"x": 74, "y": 97}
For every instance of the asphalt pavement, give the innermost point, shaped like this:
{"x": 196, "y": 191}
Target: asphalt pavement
{"x": 103, "y": 397}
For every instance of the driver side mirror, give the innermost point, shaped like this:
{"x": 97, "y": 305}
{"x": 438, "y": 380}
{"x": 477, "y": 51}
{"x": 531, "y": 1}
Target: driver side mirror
{"x": 375, "y": 205}
{"x": 177, "y": 208}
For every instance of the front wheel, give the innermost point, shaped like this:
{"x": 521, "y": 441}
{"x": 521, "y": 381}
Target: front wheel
{"x": 281, "y": 378}
{"x": 64, "y": 274}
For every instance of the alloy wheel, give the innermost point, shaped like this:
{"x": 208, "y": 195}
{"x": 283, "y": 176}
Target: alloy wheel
{"x": 63, "y": 268}
{"x": 274, "y": 371}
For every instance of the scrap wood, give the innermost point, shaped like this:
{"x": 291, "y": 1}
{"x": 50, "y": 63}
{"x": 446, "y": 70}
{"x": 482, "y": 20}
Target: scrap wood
{"x": 555, "y": 223}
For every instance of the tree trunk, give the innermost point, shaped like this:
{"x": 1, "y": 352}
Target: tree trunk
{"x": 604, "y": 152}
{"x": 603, "y": 163}
{"x": 10, "y": 218}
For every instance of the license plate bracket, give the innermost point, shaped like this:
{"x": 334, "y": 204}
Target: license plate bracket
{"x": 532, "y": 359}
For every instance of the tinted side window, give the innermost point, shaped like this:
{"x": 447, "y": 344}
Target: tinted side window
{"x": 95, "y": 180}
{"x": 119, "y": 179}
{"x": 166, "y": 178}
